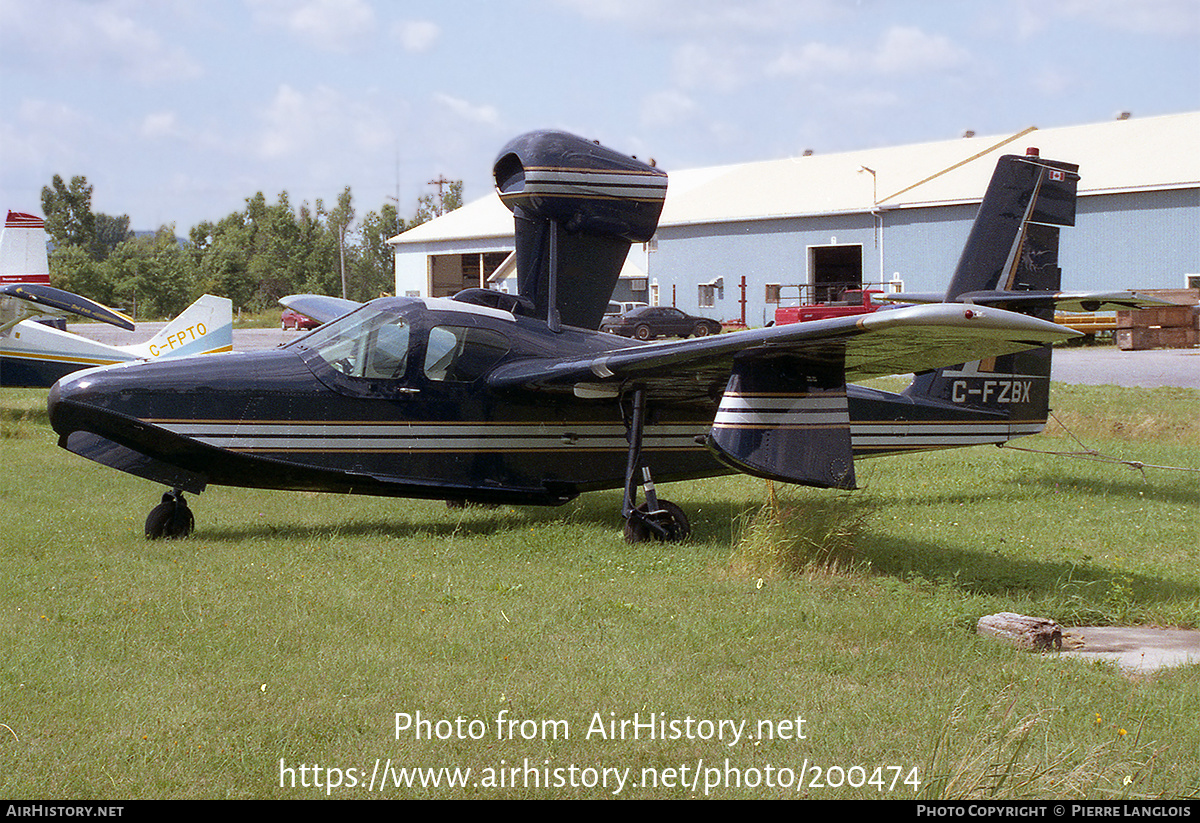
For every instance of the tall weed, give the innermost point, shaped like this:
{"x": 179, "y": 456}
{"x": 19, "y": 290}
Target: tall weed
{"x": 788, "y": 538}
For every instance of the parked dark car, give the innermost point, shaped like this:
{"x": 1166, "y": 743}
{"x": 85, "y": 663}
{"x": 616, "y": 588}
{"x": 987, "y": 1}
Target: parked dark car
{"x": 659, "y": 321}
{"x": 296, "y": 320}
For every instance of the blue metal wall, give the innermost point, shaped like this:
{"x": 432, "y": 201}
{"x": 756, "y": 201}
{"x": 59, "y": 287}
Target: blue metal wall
{"x": 1142, "y": 240}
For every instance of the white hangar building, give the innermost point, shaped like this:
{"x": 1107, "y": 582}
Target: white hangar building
{"x": 896, "y": 215}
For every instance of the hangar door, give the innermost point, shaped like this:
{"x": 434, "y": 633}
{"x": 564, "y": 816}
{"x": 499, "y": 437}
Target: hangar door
{"x": 451, "y": 273}
{"x": 833, "y": 269}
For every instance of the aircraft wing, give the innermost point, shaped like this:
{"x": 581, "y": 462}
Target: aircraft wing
{"x": 49, "y": 300}
{"x": 897, "y": 341}
{"x": 319, "y": 307}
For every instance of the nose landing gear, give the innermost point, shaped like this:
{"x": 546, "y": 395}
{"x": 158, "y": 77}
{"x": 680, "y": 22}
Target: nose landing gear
{"x": 171, "y": 518}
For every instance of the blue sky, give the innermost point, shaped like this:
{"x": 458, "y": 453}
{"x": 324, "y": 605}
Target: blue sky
{"x": 177, "y": 110}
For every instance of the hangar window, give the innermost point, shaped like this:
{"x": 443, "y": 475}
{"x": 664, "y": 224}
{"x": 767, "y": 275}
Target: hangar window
{"x": 709, "y": 293}
{"x": 772, "y": 293}
{"x": 462, "y": 354}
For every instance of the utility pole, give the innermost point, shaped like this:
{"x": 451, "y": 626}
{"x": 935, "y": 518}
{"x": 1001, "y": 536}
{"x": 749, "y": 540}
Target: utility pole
{"x": 440, "y": 182}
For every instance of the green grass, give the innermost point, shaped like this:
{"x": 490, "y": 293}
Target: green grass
{"x": 295, "y": 627}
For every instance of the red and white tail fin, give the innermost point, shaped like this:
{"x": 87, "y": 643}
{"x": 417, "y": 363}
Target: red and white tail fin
{"x": 23, "y": 250}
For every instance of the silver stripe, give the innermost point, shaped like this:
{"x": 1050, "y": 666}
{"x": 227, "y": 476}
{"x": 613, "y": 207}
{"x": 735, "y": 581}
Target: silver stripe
{"x": 608, "y": 185}
{"x": 428, "y": 437}
{"x": 441, "y": 444}
{"x": 948, "y": 428}
{"x": 234, "y": 428}
{"x": 780, "y": 419}
{"x": 589, "y": 177}
{"x": 931, "y": 440}
{"x": 797, "y": 411}
{"x": 732, "y": 402}
{"x": 593, "y": 190}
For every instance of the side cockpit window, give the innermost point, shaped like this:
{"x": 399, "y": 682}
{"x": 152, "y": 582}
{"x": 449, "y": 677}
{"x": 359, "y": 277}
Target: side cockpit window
{"x": 462, "y": 354}
{"x": 365, "y": 344}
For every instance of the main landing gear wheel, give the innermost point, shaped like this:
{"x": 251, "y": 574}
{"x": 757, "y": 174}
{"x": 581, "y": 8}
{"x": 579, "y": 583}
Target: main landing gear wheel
{"x": 667, "y": 523}
{"x": 655, "y": 519}
{"x": 171, "y": 518}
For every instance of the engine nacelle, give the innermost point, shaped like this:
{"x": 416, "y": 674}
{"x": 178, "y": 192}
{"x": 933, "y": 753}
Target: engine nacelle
{"x": 595, "y": 201}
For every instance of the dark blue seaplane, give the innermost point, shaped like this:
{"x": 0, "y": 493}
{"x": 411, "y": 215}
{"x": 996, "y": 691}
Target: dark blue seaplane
{"x": 497, "y": 398}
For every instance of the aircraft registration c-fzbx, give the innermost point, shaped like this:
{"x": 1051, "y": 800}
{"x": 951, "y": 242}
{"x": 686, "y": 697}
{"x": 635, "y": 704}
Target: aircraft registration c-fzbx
{"x": 519, "y": 399}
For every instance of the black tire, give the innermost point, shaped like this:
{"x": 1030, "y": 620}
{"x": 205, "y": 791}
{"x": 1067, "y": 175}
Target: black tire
{"x": 642, "y": 332}
{"x": 170, "y": 519}
{"x": 701, "y": 330}
{"x": 672, "y": 519}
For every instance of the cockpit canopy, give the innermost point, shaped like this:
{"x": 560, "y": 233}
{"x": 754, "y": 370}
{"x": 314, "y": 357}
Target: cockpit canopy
{"x": 398, "y": 343}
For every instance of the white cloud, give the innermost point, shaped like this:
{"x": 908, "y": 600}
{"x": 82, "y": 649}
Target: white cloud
{"x": 712, "y": 16}
{"x": 1053, "y": 82}
{"x": 908, "y": 49}
{"x": 416, "y": 36}
{"x": 46, "y": 129}
{"x": 320, "y": 123}
{"x": 697, "y": 66}
{"x": 331, "y": 25}
{"x": 812, "y": 58}
{"x": 76, "y": 35}
{"x": 159, "y": 125}
{"x": 667, "y": 108}
{"x": 1173, "y": 18}
{"x": 483, "y": 114}
{"x": 900, "y": 50}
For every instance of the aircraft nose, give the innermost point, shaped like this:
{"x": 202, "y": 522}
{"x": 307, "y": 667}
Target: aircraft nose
{"x": 67, "y": 396}
{"x": 52, "y": 402}
{"x": 97, "y": 415}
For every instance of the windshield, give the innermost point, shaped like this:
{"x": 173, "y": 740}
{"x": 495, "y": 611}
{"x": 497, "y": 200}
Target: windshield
{"x": 367, "y": 343}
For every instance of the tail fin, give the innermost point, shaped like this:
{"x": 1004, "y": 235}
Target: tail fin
{"x": 1010, "y": 261}
{"x": 205, "y": 327}
{"x": 23, "y": 250}
{"x": 1013, "y": 244}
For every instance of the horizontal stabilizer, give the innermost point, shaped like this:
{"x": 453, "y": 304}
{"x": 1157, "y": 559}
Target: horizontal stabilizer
{"x": 1062, "y": 300}
{"x": 50, "y": 300}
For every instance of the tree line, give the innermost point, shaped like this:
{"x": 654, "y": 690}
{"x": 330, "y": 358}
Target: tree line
{"x": 253, "y": 256}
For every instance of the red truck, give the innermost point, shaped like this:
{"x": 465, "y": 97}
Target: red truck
{"x": 853, "y": 300}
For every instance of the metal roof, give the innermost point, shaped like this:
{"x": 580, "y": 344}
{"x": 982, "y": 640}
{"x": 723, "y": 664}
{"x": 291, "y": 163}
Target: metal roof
{"x": 1137, "y": 154}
